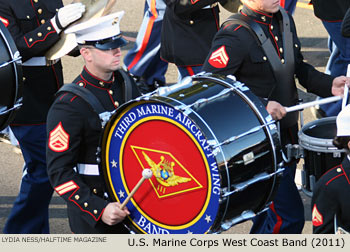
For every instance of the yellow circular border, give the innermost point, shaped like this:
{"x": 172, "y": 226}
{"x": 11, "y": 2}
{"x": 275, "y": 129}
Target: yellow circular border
{"x": 110, "y": 134}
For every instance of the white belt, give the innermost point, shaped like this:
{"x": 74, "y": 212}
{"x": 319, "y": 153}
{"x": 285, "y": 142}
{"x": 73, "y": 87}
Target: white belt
{"x": 210, "y": 6}
{"x": 87, "y": 169}
{"x": 39, "y": 61}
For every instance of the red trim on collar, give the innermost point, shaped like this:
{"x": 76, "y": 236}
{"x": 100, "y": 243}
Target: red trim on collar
{"x": 261, "y": 13}
{"x": 346, "y": 176}
{"x": 95, "y": 77}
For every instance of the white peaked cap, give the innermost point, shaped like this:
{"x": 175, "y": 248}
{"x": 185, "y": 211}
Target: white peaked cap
{"x": 343, "y": 122}
{"x": 98, "y": 31}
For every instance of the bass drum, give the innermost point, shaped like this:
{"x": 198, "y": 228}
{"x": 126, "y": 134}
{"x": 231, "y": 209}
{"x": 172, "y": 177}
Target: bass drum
{"x": 213, "y": 150}
{"x": 11, "y": 77}
{"x": 319, "y": 153}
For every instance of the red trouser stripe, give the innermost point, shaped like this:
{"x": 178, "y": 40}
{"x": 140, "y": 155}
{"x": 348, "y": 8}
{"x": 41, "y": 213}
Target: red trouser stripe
{"x": 277, "y": 227}
{"x": 147, "y": 34}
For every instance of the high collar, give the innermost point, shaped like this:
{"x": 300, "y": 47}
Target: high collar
{"x": 258, "y": 16}
{"x": 95, "y": 81}
{"x": 346, "y": 167}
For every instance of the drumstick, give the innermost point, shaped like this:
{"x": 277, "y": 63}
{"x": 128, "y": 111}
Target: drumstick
{"x": 346, "y": 89}
{"x": 313, "y": 103}
{"x": 146, "y": 174}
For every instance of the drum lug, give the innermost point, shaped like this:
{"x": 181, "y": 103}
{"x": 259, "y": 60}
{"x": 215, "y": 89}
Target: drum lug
{"x": 294, "y": 151}
{"x": 105, "y": 116}
{"x": 246, "y": 215}
{"x": 213, "y": 144}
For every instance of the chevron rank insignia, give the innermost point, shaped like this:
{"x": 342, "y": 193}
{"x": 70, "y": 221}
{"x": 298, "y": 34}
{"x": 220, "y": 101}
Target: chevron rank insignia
{"x": 59, "y": 139}
{"x": 4, "y": 21}
{"x": 219, "y": 58}
{"x": 317, "y": 218}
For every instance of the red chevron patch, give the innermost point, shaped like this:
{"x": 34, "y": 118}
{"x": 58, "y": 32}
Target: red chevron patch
{"x": 4, "y": 21}
{"x": 317, "y": 218}
{"x": 59, "y": 139}
{"x": 219, "y": 58}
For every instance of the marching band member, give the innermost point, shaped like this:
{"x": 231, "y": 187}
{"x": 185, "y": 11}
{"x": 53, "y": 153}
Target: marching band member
{"x": 74, "y": 128}
{"x": 330, "y": 200}
{"x": 268, "y": 69}
{"x": 35, "y": 26}
{"x": 143, "y": 60}
{"x": 188, "y": 29}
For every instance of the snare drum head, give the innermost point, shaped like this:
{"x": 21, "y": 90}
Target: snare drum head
{"x": 10, "y": 75}
{"x": 183, "y": 194}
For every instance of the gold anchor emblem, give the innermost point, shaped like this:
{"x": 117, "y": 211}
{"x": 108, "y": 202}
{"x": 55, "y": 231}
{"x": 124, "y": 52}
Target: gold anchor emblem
{"x": 164, "y": 171}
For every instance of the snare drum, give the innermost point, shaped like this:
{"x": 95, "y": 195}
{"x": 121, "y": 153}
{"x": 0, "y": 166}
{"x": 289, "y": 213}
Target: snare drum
{"x": 213, "y": 150}
{"x": 319, "y": 153}
{"x": 11, "y": 77}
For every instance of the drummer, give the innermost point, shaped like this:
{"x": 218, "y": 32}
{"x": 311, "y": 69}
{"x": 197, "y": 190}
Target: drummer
{"x": 330, "y": 201}
{"x": 74, "y": 128}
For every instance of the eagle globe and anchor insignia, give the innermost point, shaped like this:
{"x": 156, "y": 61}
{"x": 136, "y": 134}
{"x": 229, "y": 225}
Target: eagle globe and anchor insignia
{"x": 183, "y": 194}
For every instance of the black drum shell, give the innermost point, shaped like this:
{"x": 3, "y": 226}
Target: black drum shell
{"x": 10, "y": 75}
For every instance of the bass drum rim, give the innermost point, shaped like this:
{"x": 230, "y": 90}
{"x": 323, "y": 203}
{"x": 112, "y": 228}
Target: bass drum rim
{"x": 317, "y": 144}
{"x": 129, "y": 222}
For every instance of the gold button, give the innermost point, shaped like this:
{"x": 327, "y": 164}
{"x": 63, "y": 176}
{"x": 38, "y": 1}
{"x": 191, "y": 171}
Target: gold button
{"x": 86, "y": 204}
{"x": 271, "y": 27}
{"x": 77, "y": 197}
{"x": 282, "y": 60}
{"x": 35, "y": 1}
{"x": 95, "y": 191}
{"x": 42, "y": 21}
{"x": 49, "y": 28}
{"x": 265, "y": 58}
{"x": 191, "y": 22}
{"x": 81, "y": 84}
{"x": 116, "y": 103}
{"x": 281, "y": 50}
{"x": 263, "y": 18}
{"x": 30, "y": 40}
{"x": 102, "y": 83}
{"x": 111, "y": 92}
{"x": 28, "y": 17}
{"x": 95, "y": 212}
{"x": 39, "y": 34}
{"x": 40, "y": 11}
{"x": 339, "y": 170}
{"x": 296, "y": 45}
{"x": 24, "y": 78}
{"x": 276, "y": 38}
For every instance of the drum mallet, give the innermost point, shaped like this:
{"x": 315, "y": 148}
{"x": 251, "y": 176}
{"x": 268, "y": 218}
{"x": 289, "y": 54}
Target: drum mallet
{"x": 313, "y": 103}
{"x": 146, "y": 174}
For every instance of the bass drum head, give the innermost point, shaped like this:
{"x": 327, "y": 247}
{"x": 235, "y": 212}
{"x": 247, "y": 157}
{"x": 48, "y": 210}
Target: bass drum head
{"x": 11, "y": 77}
{"x": 181, "y": 196}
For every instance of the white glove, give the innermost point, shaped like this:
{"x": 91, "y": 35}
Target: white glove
{"x": 66, "y": 15}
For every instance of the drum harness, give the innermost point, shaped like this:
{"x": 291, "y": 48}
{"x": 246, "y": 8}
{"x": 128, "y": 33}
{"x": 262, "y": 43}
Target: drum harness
{"x": 286, "y": 91}
{"x": 91, "y": 99}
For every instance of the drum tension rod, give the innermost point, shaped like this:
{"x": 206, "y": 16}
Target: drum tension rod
{"x": 204, "y": 100}
{"x": 251, "y": 131}
{"x": 10, "y": 62}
